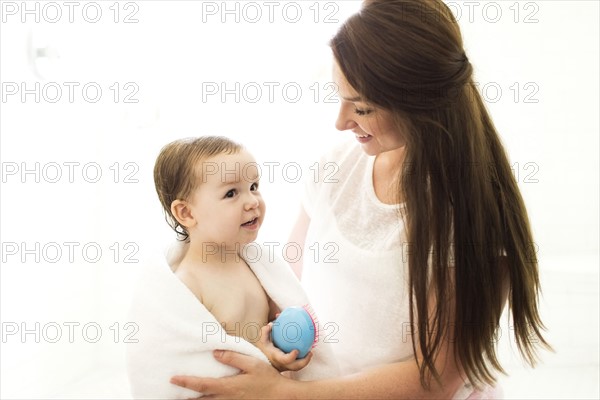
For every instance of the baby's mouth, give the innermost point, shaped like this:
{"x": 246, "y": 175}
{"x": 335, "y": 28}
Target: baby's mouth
{"x": 252, "y": 221}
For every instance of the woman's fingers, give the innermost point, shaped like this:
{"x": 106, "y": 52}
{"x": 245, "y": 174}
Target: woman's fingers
{"x": 256, "y": 381}
{"x": 205, "y": 386}
{"x": 238, "y": 360}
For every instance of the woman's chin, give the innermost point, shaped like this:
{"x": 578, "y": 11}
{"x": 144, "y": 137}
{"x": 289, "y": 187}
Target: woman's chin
{"x": 372, "y": 149}
{"x": 369, "y": 149}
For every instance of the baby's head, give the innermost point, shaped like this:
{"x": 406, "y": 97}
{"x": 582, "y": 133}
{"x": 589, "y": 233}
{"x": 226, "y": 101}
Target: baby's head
{"x": 208, "y": 187}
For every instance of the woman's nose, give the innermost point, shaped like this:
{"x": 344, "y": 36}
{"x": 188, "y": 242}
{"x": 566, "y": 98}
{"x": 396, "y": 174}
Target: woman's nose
{"x": 344, "y": 120}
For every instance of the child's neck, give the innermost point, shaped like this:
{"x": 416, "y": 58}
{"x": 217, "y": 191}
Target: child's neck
{"x": 214, "y": 253}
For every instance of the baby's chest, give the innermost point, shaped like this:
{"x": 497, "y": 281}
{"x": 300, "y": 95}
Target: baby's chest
{"x": 241, "y": 307}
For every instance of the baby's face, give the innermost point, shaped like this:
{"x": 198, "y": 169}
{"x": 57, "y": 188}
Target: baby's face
{"x": 227, "y": 202}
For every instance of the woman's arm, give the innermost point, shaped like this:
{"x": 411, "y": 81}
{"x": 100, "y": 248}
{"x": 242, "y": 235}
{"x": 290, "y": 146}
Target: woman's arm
{"x": 399, "y": 380}
{"x": 298, "y": 235}
{"x": 260, "y": 380}
{"x": 392, "y": 381}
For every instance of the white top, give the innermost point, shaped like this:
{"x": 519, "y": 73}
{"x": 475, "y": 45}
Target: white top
{"x": 354, "y": 270}
{"x": 356, "y": 265}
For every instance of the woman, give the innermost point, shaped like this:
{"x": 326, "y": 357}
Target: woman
{"x": 427, "y": 219}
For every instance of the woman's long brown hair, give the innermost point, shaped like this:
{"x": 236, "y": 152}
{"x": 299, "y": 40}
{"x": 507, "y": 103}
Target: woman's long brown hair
{"x": 464, "y": 213}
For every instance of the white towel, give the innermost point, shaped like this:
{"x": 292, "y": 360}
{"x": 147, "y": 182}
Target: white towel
{"x": 177, "y": 334}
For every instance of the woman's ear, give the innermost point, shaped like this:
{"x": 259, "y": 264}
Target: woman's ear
{"x": 182, "y": 213}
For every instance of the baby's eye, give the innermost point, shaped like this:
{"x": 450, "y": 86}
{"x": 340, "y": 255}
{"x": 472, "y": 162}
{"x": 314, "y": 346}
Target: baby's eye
{"x": 231, "y": 193}
{"x": 254, "y": 186}
{"x": 362, "y": 112}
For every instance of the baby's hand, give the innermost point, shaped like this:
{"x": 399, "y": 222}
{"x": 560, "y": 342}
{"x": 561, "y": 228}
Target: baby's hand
{"x": 279, "y": 359}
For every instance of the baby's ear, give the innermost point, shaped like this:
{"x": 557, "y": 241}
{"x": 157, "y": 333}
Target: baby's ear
{"x": 182, "y": 213}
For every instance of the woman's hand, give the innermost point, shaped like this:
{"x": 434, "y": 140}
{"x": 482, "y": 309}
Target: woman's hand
{"x": 257, "y": 380}
{"x": 280, "y": 360}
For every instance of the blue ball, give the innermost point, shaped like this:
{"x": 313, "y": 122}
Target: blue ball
{"x": 293, "y": 329}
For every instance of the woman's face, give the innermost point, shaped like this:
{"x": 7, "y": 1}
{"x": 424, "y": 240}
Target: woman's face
{"x": 373, "y": 127}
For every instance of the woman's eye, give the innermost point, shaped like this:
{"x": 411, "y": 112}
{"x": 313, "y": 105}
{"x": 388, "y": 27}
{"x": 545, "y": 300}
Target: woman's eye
{"x": 254, "y": 187}
{"x": 230, "y": 193}
{"x": 362, "y": 112}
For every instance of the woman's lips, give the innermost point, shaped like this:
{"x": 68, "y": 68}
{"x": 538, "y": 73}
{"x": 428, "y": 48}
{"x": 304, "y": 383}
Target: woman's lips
{"x": 363, "y": 138}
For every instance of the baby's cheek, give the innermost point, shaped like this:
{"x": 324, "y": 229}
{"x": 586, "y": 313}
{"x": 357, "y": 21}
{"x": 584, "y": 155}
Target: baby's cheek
{"x": 262, "y": 204}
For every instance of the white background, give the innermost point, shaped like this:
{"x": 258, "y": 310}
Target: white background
{"x": 537, "y": 63}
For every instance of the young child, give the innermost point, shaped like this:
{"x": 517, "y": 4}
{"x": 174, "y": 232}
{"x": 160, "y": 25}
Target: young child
{"x": 216, "y": 289}
{"x": 209, "y": 190}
